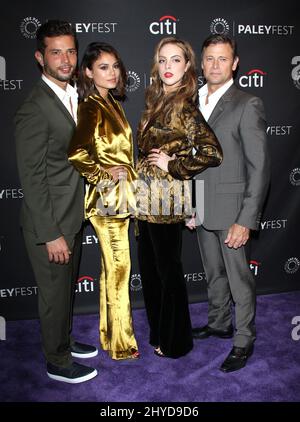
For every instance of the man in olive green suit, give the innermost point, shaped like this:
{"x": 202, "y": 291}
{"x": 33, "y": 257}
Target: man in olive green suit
{"x": 52, "y": 210}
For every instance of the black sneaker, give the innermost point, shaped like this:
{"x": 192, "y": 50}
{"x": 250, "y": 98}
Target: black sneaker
{"x": 84, "y": 351}
{"x": 73, "y": 374}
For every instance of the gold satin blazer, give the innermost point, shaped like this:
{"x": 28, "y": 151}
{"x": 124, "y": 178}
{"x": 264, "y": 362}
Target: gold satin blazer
{"x": 195, "y": 146}
{"x": 103, "y": 139}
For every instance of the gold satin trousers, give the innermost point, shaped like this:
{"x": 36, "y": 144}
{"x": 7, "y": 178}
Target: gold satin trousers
{"x": 116, "y": 328}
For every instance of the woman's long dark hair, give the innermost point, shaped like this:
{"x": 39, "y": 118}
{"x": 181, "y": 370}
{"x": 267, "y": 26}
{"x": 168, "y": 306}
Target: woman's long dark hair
{"x": 85, "y": 85}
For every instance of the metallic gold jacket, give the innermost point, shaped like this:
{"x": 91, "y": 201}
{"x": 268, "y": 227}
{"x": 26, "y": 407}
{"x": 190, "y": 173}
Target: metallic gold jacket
{"x": 102, "y": 140}
{"x": 195, "y": 146}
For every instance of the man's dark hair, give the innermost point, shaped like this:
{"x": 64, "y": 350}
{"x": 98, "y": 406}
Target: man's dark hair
{"x": 53, "y": 28}
{"x": 220, "y": 39}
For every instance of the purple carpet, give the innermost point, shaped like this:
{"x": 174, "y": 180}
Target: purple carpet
{"x": 272, "y": 373}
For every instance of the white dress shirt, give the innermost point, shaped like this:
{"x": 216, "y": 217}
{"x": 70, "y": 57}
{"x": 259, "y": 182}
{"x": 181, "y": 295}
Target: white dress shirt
{"x": 207, "y": 109}
{"x": 68, "y": 97}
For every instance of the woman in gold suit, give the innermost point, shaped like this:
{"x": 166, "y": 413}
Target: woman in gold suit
{"x": 175, "y": 143}
{"x": 101, "y": 150}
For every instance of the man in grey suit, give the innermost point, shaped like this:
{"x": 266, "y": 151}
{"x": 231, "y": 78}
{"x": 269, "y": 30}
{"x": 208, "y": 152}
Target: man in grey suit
{"x": 234, "y": 194}
{"x": 52, "y": 210}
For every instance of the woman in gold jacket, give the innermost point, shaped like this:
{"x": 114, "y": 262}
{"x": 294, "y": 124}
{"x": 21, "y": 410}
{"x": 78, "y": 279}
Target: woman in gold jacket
{"x": 101, "y": 150}
{"x": 175, "y": 143}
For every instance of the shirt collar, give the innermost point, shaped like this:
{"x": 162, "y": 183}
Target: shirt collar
{"x": 61, "y": 93}
{"x": 218, "y": 93}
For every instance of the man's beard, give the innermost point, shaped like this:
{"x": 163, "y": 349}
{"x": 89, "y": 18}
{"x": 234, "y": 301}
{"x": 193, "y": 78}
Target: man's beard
{"x": 56, "y": 75}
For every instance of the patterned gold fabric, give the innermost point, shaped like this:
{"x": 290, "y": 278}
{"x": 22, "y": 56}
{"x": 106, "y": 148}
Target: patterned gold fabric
{"x": 196, "y": 147}
{"x": 103, "y": 139}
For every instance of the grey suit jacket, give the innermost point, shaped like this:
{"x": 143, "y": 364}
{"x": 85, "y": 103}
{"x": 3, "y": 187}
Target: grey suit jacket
{"x": 235, "y": 191}
{"x": 53, "y": 190}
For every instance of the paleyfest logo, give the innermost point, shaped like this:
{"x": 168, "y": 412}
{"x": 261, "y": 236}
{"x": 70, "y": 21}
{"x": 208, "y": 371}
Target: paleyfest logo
{"x": 219, "y": 26}
{"x": 6, "y": 84}
{"x": 265, "y": 30}
{"x": 11, "y": 193}
{"x": 295, "y": 177}
{"x": 133, "y": 81}
{"x": 292, "y": 265}
{"x": 135, "y": 282}
{"x": 222, "y": 27}
{"x": 165, "y": 26}
{"x": 29, "y": 26}
{"x": 99, "y": 27}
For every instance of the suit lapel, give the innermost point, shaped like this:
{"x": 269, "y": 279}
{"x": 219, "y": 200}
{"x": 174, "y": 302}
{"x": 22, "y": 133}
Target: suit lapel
{"x": 221, "y": 105}
{"x": 58, "y": 102}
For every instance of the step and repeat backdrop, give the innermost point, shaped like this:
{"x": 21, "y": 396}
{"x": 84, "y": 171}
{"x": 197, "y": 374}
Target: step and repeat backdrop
{"x": 269, "y": 47}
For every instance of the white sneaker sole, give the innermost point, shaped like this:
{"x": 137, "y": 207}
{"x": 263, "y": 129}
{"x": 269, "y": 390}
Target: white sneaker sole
{"x": 74, "y": 380}
{"x": 85, "y": 355}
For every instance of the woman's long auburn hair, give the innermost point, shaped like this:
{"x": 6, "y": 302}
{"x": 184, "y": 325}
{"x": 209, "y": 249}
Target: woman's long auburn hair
{"x": 85, "y": 85}
{"x": 158, "y": 103}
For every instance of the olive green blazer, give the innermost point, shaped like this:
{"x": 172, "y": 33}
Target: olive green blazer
{"x": 53, "y": 189}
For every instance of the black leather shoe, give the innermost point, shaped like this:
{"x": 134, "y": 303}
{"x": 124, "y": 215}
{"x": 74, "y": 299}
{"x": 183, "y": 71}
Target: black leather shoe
{"x": 204, "y": 332}
{"x": 236, "y": 359}
{"x": 72, "y": 374}
{"x": 84, "y": 351}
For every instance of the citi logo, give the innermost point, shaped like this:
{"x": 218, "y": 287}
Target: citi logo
{"x": 85, "y": 284}
{"x": 254, "y": 266}
{"x": 253, "y": 79}
{"x": 165, "y": 25}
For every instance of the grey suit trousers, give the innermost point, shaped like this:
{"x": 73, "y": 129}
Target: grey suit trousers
{"x": 228, "y": 279}
{"x": 56, "y": 287}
